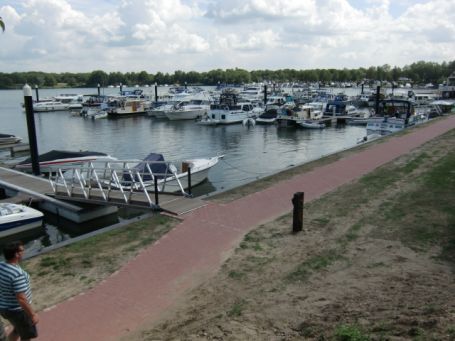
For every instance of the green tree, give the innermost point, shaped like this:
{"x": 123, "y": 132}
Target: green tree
{"x": 2, "y": 24}
{"x": 97, "y": 77}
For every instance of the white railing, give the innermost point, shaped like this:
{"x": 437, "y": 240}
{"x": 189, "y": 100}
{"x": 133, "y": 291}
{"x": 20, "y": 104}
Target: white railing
{"x": 101, "y": 179}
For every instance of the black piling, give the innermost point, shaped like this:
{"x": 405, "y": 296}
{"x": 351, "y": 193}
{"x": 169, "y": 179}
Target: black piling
{"x": 376, "y": 107}
{"x": 189, "y": 181}
{"x": 265, "y": 94}
{"x": 156, "y": 93}
{"x": 99, "y": 92}
{"x": 28, "y": 104}
{"x": 37, "y": 93}
{"x": 297, "y": 218}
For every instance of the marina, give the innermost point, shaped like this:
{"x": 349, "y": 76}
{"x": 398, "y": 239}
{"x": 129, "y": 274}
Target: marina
{"x": 250, "y": 151}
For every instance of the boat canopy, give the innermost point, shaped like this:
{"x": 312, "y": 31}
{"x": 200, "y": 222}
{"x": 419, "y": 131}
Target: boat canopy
{"x": 157, "y": 165}
{"x": 61, "y": 154}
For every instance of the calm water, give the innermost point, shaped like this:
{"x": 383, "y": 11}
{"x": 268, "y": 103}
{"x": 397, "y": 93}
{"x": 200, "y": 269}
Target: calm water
{"x": 250, "y": 153}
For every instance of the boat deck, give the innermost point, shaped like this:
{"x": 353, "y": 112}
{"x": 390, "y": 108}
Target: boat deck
{"x": 40, "y": 188}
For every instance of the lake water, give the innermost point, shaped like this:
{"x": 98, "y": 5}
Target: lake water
{"x": 249, "y": 153}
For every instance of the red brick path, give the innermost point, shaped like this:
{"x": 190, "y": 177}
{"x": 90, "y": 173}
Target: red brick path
{"x": 148, "y": 285}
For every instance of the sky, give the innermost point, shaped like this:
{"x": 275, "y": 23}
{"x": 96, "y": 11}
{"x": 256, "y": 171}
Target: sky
{"x": 202, "y": 35}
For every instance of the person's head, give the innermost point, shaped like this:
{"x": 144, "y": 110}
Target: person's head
{"x": 13, "y": 250}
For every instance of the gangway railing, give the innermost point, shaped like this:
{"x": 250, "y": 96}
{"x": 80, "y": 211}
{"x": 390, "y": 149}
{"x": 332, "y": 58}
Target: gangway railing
{"x": 127, "y": 180}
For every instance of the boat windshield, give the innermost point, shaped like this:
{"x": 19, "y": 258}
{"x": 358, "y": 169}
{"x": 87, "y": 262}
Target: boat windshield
{"x": 9, "y": 209}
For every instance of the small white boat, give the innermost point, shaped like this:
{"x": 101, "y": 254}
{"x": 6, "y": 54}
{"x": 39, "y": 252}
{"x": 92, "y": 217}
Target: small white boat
{"x": 9, "y": 139}
{"x": 310, "y": 124}
{"x": 188, "y": 110}
{"x": 169, "y": 177}
{"x": 50, "y": 106}
{"x": 18, "y": 218}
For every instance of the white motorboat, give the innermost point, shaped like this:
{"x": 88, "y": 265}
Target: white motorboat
{"x": 50, "y": 106}
{"x": 358, "y": 117}
{"x": 169, "y": 177}
{"x": 188, "y": 110}
{"x": 252, "y": 92}
{"x": 9, "y": 139}
{"x": 230, "y": 111}
{"x": 60, "y": 159}
{"x": 18, "y": 218}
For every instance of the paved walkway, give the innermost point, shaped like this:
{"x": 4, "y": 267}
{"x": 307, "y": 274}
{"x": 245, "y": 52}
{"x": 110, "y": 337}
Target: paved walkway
{"x": 148, "y": 285}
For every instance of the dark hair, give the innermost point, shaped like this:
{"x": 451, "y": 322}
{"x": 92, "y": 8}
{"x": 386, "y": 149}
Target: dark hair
{"x": 10, "y": 249}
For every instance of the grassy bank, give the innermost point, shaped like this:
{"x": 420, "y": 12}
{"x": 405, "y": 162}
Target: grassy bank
{"x": 375, "y": 261}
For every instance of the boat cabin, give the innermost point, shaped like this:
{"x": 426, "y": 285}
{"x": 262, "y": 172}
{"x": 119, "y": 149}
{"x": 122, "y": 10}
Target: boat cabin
{"x": 396, "y": 108}
{"x": 448, "y": 90}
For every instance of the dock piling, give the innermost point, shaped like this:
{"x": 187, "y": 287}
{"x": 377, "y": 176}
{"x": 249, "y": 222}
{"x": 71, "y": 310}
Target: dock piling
{"x": 28, "y": 103}
{"x": 297, "y": 218}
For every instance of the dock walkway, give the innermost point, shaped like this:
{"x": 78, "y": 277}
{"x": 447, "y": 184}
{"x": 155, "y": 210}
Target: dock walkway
{"x": 141, "y": 291}
{"x": 40, "y": 188}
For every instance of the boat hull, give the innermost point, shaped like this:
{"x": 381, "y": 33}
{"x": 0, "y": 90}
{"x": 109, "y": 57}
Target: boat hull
{"x": 9, "y": 139}
{"x": 185, "y": 114}
{"x": 18, "y": 218}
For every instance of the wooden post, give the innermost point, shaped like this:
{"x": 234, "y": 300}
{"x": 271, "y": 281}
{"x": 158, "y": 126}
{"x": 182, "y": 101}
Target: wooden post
{"x": 99, "y": 92}
{"x": 297, "y": 218}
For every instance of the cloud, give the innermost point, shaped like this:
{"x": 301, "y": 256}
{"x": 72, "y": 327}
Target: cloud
{"x": 82, "y": 35}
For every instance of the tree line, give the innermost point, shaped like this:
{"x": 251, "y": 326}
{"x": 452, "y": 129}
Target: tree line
{"x": 419, "y": 73}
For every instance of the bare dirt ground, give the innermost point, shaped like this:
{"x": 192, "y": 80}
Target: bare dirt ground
{"x": 371, "y": 263}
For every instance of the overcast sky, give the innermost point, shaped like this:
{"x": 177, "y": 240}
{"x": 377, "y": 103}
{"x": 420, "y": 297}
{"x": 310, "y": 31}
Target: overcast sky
{"x": 201, "y": 35}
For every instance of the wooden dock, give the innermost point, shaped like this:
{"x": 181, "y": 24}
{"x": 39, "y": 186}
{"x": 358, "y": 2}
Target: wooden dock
{"x": 40, "y": 188}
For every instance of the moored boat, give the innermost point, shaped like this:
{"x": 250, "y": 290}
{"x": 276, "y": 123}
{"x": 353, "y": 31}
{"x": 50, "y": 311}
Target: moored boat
{"x": 54, "y": 160}
{"x": 230, "y": 111}
{"x": 188, "y": 110}
{"x": 393, "y": 115}
{"x": 9, "y": 139}
{"x": 18, "y": 218}
{"x": 170, "y": 178}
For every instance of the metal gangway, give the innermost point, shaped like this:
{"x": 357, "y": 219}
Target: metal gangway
{"x": 121, "y": 182}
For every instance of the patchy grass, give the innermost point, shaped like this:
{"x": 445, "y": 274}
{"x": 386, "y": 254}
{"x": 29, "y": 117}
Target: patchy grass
{"x": 88, "y": 261}
{"x": 350, "y": 333}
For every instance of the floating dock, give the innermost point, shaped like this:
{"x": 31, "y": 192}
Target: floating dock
{"x": 39, "y": 188}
